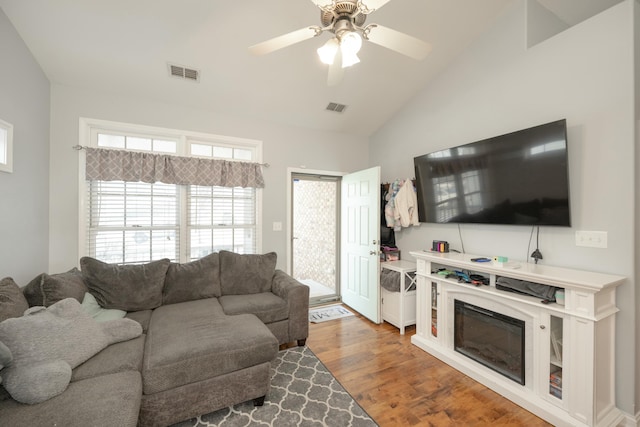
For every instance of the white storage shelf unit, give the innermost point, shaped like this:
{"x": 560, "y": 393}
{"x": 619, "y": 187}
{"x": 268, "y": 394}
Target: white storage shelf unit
{"x": 569, "y": 349}
{"x": 399, "y": 308}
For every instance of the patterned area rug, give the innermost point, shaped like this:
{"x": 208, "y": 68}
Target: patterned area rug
{"x": 329, "y": 312}
{"x": 303, "y": 393}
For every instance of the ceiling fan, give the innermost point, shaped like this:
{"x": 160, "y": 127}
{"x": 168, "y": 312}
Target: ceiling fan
{"x": 345, "y": 19}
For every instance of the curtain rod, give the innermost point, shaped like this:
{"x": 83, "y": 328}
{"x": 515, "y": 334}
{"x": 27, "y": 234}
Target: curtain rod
{"x": 78, "y": 147}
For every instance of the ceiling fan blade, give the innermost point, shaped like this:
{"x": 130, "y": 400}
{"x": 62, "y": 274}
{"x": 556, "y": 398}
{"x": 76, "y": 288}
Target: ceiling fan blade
{"x": 336, "y": 72}
{"x": 323, "y": 4}
{"x": 285, "y": 40}
{"x": 395, "y": 40}
{"x": 369, "y": 6}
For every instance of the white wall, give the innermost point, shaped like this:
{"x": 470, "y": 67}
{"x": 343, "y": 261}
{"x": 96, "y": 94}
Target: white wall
{"x": 584, "y": 74}
{"x": 283, "y": 147}
{"x": 24, "y": 195}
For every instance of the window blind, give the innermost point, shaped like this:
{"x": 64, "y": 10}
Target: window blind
{"x": 136, "y": 222}
{"x": 133, "y": 222}
{"x": 221, "y": 218}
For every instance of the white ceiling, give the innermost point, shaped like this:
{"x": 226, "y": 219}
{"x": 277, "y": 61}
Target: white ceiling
{"x": 123, "y": 47}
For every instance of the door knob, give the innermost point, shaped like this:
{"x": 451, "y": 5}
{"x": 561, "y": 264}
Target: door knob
{"x": 373, "y": 252}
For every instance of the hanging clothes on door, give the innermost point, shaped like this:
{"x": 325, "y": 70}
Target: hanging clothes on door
{"x": 407, "y": 205}
{"x": 387, "y": 235}
{"x": 402, "y": 205}
{"x": 390, "y": 207}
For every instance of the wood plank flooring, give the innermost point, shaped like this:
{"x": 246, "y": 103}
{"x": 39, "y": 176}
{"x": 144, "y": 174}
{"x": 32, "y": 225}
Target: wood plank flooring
{"x": 399, "y": 384}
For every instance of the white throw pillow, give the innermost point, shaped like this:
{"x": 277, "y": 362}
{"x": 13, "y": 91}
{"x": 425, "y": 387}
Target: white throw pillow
{"x": 93, "y": 309}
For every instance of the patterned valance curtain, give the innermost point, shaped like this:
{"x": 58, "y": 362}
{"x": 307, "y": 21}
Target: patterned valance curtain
{"x": 130, "y": 166}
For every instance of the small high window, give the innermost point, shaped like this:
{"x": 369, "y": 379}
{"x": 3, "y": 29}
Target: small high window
{"x": 6, "y": 147}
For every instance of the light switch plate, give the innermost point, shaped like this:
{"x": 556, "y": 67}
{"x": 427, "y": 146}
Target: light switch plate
{"x": 277, "y": 226}
{"x": 591, "y": 239}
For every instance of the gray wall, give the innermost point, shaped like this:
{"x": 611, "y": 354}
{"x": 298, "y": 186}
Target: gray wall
{"x": 283, "y": 147}
{"x": 584, "y": 74}
{"x": 637, "y": 180}
{"x": 24, "y": 194}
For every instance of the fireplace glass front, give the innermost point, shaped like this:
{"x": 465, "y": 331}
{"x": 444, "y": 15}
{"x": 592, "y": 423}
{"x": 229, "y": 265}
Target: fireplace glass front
{"x": 490, "y": 338}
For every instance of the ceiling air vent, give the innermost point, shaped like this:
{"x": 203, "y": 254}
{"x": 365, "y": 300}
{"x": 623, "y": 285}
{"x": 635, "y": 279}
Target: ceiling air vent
{"x": 184, "y": 73}
{"x": 338, "y": 108}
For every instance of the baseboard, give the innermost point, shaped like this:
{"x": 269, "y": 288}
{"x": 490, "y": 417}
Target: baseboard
{"x": 630, "y": 420}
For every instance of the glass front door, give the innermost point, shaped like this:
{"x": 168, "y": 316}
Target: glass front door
{"x": 315, "y": 231}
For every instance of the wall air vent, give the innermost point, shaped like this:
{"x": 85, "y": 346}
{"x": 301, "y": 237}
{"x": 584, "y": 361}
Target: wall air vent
{"x": 338, "y": 108}
{"x": 184, "y": 73}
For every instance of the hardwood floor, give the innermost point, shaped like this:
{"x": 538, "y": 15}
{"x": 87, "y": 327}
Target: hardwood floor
{"x": 398, "y": 384}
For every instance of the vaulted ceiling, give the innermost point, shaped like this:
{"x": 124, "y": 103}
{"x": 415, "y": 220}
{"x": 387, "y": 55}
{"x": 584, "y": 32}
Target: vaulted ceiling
{"x": 124, "y": 47}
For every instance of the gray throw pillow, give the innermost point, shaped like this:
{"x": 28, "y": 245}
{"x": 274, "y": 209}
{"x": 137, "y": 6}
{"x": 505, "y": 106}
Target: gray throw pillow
{"x": 12, "y": 302}
{"x": 47, "y": 289}
{"x": 242, "y": 274}
{"x": 125, "y": 287}
{"x": 192, "y": 280}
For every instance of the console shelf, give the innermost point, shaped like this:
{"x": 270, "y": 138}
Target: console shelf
{"x": 569, "y": 349}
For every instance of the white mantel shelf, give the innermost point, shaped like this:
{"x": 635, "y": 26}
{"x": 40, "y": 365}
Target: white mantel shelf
{"x": 586, "y": 324}
{"x": 539, "y": 273}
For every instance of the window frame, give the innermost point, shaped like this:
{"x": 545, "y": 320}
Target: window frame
{"x": 88, "y": 130}
{"x": 7, "y": 165}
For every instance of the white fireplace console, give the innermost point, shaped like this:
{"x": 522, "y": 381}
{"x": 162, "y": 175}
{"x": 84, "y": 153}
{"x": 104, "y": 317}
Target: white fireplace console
{"x": 569, "y": 373}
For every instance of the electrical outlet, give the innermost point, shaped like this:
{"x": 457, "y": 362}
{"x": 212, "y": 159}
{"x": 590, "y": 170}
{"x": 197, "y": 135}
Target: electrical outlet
{"x": 591, "y": 239}
{"x": 277, "y": 226}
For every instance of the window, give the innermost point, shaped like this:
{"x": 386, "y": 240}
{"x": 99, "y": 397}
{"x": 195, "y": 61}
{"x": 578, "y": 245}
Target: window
{"x": 132, "y": 222}
{"x": 6, "y": 147}
{"x": 135, "y": 222}
{"x": 220, "y": 218}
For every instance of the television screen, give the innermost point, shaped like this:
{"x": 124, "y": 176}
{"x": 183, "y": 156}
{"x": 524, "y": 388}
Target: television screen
{"x": 519, "y": 178}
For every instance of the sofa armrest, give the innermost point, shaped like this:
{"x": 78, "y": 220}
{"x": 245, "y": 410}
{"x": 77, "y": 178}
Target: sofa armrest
{"x": 297, "y": 296}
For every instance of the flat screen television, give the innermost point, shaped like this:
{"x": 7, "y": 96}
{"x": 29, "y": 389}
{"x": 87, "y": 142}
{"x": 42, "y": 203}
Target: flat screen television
{"x": 520, "y": 178}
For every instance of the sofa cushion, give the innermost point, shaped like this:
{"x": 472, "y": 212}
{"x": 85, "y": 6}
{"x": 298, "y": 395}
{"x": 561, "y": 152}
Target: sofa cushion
{"x": 143, "y": 317}
{"x": 108, "y": 400}
{"x": 242, "y": 274}
{"x": 12, "y": 301}
{"x": 119, "y": 357}
{"x": 192, "y": 280}
{"x": 194, "y": 341}
{"x": 48, "y": 289}
{"x": 4, "y": 395}
{"x": 266, "y": 306}
{"x": 125, "y": 287}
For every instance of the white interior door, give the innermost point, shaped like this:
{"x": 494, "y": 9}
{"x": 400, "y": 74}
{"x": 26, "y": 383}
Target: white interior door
{"x": 360, "y": 237}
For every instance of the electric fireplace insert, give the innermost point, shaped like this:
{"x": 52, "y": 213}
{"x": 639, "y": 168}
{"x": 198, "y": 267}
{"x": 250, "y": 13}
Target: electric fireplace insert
{"x": 492, "y": 339}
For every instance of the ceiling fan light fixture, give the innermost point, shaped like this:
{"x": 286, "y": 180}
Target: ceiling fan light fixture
{"x": 345, "y": 19}
{"x": 349, "y": 59}
{"x": 327, "y": 52}
{"x": 350, "y": 45}
{"x": 351, "y": 42}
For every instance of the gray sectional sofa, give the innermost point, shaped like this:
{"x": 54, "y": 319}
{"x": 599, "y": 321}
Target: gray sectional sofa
{"x": 210, "y": 329}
